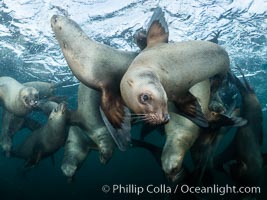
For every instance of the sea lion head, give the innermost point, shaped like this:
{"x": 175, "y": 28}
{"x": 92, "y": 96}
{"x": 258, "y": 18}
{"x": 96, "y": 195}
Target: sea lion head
{"x": 66, "y": 32}
{"x": 145, "y": 96}
{"x": 69, "y": 169}
{"x": 172, "y": 166}
{"x": 59, "y": 112}
{"x": 29, "y": 96}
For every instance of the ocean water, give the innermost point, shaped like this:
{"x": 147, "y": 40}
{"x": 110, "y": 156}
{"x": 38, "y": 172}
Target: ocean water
{"x": 30, "y": 52}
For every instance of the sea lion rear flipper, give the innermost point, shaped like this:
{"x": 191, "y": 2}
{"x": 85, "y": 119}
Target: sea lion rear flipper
{"x": 189, "y": 107}
{"x": 34, "y": 159}
{"x": 140, "y": 35}
{"x": 157, "y": 29}
{"x": 121, "y": 136}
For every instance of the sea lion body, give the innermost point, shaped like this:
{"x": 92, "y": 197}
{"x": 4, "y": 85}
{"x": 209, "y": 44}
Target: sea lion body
{"x": 249, "y": 138}
{"x": 245, "y": 148}
{"x": 76, "y": 149}
{"x": 181, "y": 133}
{"x": 45, "y": 89}
{"x": 97, "y": 66}
{"x": 88, "y": 117}
{"x": 12, "y": 123}
{"x": 93, "y": 63}
{"x": 45, "y": 141}
{"x": 165, "y": 72}
{"x": 17, "y": 98}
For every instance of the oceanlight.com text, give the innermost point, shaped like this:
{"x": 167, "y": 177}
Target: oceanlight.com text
{"x": 183, "y": 188}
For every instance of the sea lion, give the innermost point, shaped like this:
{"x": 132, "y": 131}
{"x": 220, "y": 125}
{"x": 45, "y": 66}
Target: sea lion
{"x": 45, "y": 89}
{"x": 45, "y": 141}
{"x": 76, "y": 149}
{"x": 96, "y": 65}
{"x": 12, "y": 124}
{"x": 166, "y": 71}
{"x": 17, "y": 98}
{"x": 204, "y": 150}
{"x": 181, "y": 133}
{"x": 245, "y": 148}
{"x": 87, "y": 116}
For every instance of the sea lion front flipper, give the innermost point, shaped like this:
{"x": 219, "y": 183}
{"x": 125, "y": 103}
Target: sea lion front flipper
{"x": 121, "y": 136}
{"x": 34, "y": 159}
{"x": 189, "y": 107}
{"x": 157, "y": 29}
{"x": 217, "y": 120}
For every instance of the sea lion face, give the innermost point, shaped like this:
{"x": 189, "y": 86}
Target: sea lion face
{"x": 69, "y": 169}
{"x": 66, "y": 31}
{"x": 146, "y": 97}
{"x": 58, "y": 112}
{"x": 172, "y": 167}
{"x": 29, "y": 96}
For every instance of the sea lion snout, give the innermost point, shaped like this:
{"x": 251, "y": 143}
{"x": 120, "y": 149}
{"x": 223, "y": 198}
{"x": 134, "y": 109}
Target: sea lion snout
{"x": 68, "y": 169}
{"x": 166, "y": 118}
{"x": 30, "y": 97}
{"x": 54, "y": 20}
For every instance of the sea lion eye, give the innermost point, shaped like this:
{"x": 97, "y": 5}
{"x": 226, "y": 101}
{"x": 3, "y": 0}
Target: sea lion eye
{"x": 144, "y": 98}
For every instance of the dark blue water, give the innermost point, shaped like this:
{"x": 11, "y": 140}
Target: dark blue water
{"x": 29, "y": 52}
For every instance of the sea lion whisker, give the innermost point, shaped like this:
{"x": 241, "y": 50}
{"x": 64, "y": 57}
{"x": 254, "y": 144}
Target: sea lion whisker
{"x": 137, "y": 117}
{"x": 141, "y": 120}
{"x": 138, "y": 114}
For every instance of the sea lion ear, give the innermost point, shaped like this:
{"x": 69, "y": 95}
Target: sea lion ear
{"x": 157, "y": 29}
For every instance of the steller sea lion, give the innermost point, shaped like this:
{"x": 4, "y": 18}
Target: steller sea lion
{"x": 96, "y": 65}
{"x": 166, "y": 71}
{"x": 87, "y": 116}
{"x": 76, "y": 149}
{"x": 181, "y": 133}
{"x": 245, "y": 148}
{"x": 17, "y": 98}
{"x": 45, "y": 89}
{"x": 12, "y": 124}
{"x": 45, "y": 141}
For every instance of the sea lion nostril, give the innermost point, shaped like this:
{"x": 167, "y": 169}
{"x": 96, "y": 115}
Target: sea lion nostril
{"x": 55, "y": 19}
{"x": 166, "y": 117}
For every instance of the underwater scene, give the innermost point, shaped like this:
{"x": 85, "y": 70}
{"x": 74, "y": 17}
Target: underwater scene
{"x": 133, "y": 99}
